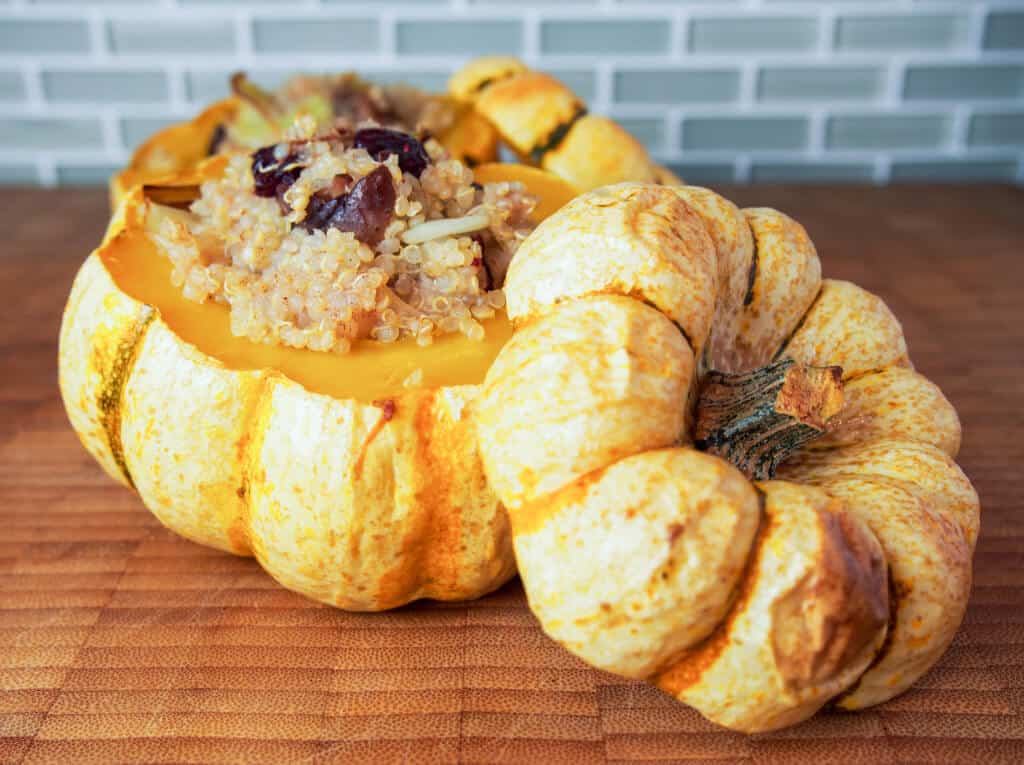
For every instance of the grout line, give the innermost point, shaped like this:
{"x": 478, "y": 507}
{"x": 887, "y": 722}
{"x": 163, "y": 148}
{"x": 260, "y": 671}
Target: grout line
{"x": 177, "y": 96}
{"x": 243, "y": 26}
{"x": 828, "y": 27}
{"x": 692, "y": 60}
{"x": 679, "y": 30}
{"x": 816, "y": 134}
{"x": 388, "y": 23}
{"x": 892, "y": 89}
{"x": 603, "y": 88}
{"x": 881, "y": 170}
{"x": 531, "y": 37}
{"x": 98, "y": 39}
{"x": 674, "y": 131}
{"x": 742, "y": 168}
{"x": 976, "y": 31}
{"x": 111, "y": 130}
{"x": 747, "y": 95}
{"x": 35, "y": 98}
{"x": 47, "y": 170}
{"x": 957, "y": 144}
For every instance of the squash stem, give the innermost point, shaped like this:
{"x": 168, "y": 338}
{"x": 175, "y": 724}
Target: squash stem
{"x": 755, "y": 420}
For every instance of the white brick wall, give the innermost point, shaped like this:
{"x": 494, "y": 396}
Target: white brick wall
{"x": 873, "y": 90}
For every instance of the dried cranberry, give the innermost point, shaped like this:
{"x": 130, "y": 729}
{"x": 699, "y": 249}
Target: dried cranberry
{"x": 365, "y": 211}
{"x": 271, "y": 177}
{"x": 381, "y": 143}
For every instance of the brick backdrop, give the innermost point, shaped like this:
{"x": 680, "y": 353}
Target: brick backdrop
{"x": 730, "y": 90}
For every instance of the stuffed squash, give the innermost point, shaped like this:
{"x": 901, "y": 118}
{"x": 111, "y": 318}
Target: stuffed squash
{"x": 722, "y": 473}
{"x": 287, "y": 366}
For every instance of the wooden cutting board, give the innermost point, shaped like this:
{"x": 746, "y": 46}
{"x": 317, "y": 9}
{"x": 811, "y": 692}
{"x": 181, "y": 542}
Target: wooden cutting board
{"x": 121, "y": 642}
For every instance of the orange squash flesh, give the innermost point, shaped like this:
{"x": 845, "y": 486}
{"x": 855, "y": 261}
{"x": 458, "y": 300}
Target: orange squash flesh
{"x": 551, "y": 191}
{"x": 370, "y": 371}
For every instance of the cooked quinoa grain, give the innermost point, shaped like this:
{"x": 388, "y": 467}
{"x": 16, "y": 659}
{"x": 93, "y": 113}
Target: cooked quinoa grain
{"x": 315, "y": 243}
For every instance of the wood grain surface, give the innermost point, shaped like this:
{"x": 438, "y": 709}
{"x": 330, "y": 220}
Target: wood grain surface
{"x": 121, "y": 642}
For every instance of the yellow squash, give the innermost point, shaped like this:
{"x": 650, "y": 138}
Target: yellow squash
{"x": 345, "y": 484}
{"x": 546, "y": 124}
{"x": 173, "y": 151}
{"x": 784, "y": 531}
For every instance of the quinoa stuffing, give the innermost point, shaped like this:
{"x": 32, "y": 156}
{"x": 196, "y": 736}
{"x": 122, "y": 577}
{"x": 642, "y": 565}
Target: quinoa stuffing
{"x": 322, "y": 240}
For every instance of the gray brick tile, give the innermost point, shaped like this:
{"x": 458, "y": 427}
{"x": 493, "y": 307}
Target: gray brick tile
{"x": 963, "y": 81}
{"x": 12, "y": 86}
{"x": 887, "y": 131}
{"x": 900, "y": 32}
{"x": 741, "y": 35}
{"x": 996, "y": 130}
{"x": 741, "y": 133}
{"x": 704, "y": 173}
{"x": 650, "y": 132}
{"x": 955, "y": 170}
{"x": 83, "y": 85}
{"x": 18, "y": 174}
{"x": 50, "y": 133}
{"x": 135, "y": 130}
{"x": 273, "y": 35}
{"x": 605, "y": 37}
{"x": 811, "y": 172}
{"x": 677, "y": 85}
{"x": 85, "y": 175}
{"x": 819, "y": 83}
{"x": 1004, "y": 30}
{"x": 172, "y": 36}
{"x": 43, "y": 36}
{"x": 459, "y": 37}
